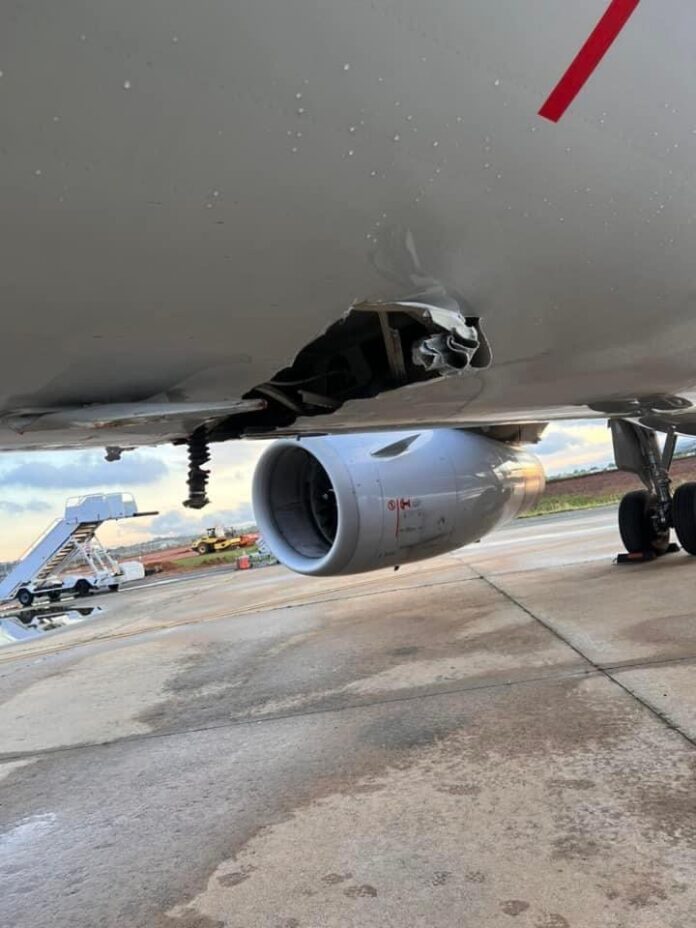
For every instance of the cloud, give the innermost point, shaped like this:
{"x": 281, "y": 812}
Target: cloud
{"x": 574, "y": 443}
{"x": 181, "y": 522}
{"x": 557, "y": 441}
{"x": 33, "y": 505}
{"x": 86, "y": 472}
{"x": 171, "y": 522}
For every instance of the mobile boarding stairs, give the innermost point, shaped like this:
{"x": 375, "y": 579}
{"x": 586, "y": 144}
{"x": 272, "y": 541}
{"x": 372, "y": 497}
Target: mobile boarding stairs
{"x": 66, "y": 540}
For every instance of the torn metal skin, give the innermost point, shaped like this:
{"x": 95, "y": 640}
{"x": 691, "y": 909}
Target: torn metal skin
{"x": 375, "y": 347}
{"x": 456, "y": 341}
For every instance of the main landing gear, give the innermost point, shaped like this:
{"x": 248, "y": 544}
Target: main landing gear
{"x": 646, "y": 516}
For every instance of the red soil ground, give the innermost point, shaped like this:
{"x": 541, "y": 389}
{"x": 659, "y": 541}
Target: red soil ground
{"x": 615, "y": 481}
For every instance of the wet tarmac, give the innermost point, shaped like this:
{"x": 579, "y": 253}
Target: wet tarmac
{"x": 501, "y": 737}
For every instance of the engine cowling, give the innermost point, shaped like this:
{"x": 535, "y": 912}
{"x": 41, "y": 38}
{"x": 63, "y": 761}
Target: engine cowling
{"x": 345, "y": 504}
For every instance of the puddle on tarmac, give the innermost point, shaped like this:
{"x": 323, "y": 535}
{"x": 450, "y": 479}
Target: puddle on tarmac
{"x": 30, "y": 623}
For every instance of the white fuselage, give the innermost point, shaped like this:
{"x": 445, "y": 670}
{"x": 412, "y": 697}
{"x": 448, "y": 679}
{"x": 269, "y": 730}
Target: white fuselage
{"x": 192, "y": 193}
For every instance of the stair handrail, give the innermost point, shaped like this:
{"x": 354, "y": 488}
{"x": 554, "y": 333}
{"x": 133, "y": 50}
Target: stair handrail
{"x": 75, "y": 501}
{"x": 37, "y": 541}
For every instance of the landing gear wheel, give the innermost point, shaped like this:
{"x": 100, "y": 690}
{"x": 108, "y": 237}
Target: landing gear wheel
{"x": 82, "y": 588}
{"x": 25, "y": 597}
{"x": 684, "y": 516}
{"x": 636, "y": 525}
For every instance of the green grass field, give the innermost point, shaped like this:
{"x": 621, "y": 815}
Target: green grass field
{"x": 601, "y": 488}
{"x": 211, "y": 560}
{"x": 568, "y": 502}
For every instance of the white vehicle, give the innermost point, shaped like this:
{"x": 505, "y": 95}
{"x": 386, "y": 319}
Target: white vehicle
{"x": 314, "y": 220}
{"x": 40, "y": 572}
{"x": 84, "y": 584}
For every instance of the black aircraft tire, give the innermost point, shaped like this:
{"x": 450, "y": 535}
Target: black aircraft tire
{"x": 684, "y": 516}
{"x": 636, "y": 527}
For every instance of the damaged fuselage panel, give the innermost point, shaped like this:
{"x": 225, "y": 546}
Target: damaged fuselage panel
{"x": 375, "y": 347}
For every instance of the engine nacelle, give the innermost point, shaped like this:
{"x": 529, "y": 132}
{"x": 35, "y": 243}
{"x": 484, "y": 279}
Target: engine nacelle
{"x": 344, "y": 504}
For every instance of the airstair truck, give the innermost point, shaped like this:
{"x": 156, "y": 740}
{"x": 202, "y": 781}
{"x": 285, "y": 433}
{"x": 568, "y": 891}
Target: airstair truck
{"x": 67, "y": 540}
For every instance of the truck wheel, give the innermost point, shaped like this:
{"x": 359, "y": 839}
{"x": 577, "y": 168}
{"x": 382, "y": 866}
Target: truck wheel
{"x": 113, "y": 588}
{"x": 54, "y": 597}
{"x": 203, "y": 549}
{"x": 82, "y": 588}
{"x": 25, "y": 597}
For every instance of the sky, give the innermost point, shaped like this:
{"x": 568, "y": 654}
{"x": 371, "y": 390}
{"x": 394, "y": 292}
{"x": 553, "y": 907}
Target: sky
{"x": 34, "y": 487}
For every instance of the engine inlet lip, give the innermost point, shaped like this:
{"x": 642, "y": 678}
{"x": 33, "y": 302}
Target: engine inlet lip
{"x": 328, "y": 556}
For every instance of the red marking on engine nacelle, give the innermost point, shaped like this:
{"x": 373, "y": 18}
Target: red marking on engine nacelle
{"x": 391, "y": 505}
{"x": 404, "y": 503}
{"x": 588, "y": 58}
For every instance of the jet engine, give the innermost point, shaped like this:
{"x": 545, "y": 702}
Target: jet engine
{"x": 345, "y": 504}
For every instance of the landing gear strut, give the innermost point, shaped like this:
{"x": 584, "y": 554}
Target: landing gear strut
{"x": 646, "y": 516}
